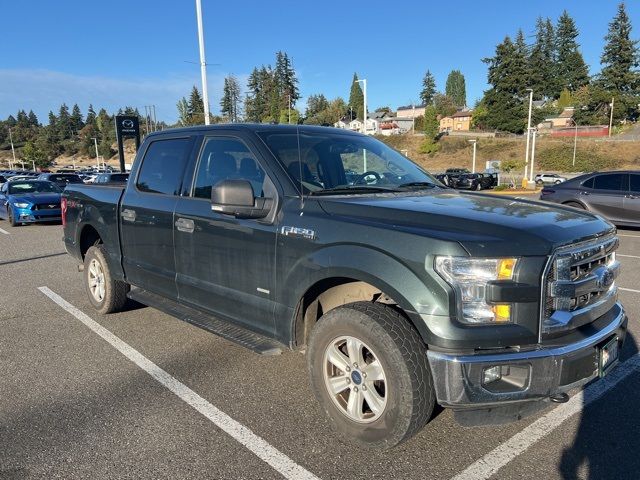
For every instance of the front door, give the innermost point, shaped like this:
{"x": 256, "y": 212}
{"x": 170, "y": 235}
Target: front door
{"x": 632, "y": 200}
{"x": 607, "y": 196}
{"x": 225, "y": 265}
{"x": 146, "y": 216}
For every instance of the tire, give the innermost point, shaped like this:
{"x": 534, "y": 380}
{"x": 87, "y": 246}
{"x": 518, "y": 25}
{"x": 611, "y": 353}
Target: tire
{"x": 575, "y": 205}
{"x": 405, "y": 395}
{"x": 557, "y": 182}
{"x": 11, "y": 218}
{"x": 478, "y": 187}
{"x": 105, "y": 294}
{"x": 539, "y": 182}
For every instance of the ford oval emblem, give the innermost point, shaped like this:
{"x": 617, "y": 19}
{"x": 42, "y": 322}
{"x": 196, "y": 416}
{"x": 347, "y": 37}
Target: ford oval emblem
{"x": 605, "y": 277}
{"x": 127, "y": 123}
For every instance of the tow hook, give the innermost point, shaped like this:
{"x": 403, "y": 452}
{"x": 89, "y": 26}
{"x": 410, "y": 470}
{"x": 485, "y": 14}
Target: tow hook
{"x": 559, "y": 398}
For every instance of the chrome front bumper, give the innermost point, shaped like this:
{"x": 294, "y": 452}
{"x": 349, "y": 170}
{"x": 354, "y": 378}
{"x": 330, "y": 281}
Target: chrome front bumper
{"x": 553, "y": 370}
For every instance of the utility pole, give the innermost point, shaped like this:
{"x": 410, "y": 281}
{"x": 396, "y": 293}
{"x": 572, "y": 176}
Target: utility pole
{"x": 95, "y": 142}
{"x": 13, "y": 152}
{"x": 364, "y": 95}
{"x": 473, "y": 165}
{"x": 611, "y": 116}
{"x": 575, "y": 142}
{"x": 526, "y": 156}
{"x": 203, "y": 63}
{"x": 289, "y": 95}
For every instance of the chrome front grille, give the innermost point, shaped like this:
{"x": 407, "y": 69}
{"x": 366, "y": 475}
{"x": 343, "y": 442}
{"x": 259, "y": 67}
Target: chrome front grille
{"x": 579, "y": 285}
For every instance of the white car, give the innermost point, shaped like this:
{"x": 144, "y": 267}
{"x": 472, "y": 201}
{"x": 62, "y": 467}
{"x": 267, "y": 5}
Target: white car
{"x": 553, "y": 178}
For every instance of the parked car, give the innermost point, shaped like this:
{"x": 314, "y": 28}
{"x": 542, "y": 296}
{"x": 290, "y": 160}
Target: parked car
{"x": 554, "y": 178}
{"x": 402, "y": 293}
{"x": 61, "y": 179}
{"x": 16, "y": 178}
{"x": 3, "y": 179}
{"x": 473, "y": 181}
{"x": 112, "y": 178}
{"x": 30, "y": 201}
{"x": 614, "y": 195}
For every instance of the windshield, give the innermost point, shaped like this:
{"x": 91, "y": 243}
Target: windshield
{"x": 327, "y": 162}
{"x": 21, "y": 187}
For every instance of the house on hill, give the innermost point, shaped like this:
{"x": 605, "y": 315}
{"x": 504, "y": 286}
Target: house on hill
{"x": 457, "y": 122}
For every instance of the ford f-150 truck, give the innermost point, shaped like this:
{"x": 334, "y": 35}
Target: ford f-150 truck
{"x": 401, "y": 291}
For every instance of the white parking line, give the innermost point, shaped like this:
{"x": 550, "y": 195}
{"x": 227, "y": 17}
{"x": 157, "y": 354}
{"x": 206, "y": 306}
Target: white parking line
{"x": 4, "y": 231}
{"x": 630, "y": 236}
{"x": 627, "y": 256}
{"x": 520, "y": 442}
{"x": 628, "y": 290}
{"x": 261, "y": 448}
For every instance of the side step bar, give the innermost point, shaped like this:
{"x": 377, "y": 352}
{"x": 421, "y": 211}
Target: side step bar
{"x": 229, "y": 331}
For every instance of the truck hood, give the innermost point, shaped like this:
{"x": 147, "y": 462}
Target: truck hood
{"x": 485, "y": 225}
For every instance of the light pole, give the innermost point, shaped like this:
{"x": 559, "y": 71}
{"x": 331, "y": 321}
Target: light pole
{"x": 575, "y": 141}
{"x": 364, "y": 95}
{"x": 203, "y": 63}
{"x": 13, "y": 152}
{"x": 526, "y": 156}
{"x": 413, "y": 119}
{"x": 533, "y": 152}
{"x": 289, "y": 95}
{"x": 473, "y": 165}
{"x": 611, "y": 116}
{"x": 95, "y": 142}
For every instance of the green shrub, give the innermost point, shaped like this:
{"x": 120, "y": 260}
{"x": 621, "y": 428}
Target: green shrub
{"x": 429, "y": 147}
{"x": 560, "y": 158}
{"x": 499, "y": 188}
{"x": 453, "y": 144}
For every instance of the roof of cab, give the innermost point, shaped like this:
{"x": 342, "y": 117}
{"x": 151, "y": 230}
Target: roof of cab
{"x": 255, "y": 127}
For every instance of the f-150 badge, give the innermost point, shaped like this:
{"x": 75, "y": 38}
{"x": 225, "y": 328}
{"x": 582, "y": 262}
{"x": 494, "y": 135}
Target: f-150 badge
{"x": 307, "y": 233}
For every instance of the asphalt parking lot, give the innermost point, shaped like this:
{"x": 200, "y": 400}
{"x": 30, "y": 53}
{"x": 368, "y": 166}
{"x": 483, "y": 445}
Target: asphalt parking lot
{"x": 140, "y": 394}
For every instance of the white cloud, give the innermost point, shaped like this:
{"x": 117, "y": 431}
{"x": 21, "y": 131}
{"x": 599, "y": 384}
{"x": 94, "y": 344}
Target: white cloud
{"x": 44, "y": 90}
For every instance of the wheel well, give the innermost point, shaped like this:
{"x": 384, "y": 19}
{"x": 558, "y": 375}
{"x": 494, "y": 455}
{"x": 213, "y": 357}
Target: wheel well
{"x": 328, "y": 294}
{"x": 88, "y": 238}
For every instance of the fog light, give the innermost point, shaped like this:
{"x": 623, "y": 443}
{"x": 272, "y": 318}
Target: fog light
{"x": 506, "y": 378}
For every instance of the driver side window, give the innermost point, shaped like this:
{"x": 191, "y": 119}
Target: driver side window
{"x": 226, "y": 158}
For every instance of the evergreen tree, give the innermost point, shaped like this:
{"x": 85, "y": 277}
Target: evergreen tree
{"x": 431, "y": 124}
{"x": 285, "y": 81}
{"x": 63, "y": 124}
{"x": 76, "y": 120}
{"x": 620, "y": 56}
{"x": 184, "y": 118}
{"x": 504, "y": 101}
{"x": 315, "y": 105}
{"x": 456, "y": 88}
{"x": 33, "y": 120}
{"x": 541, "y": 61}
{"x": 91, "y": 116}
{"x": 356, "y": 99}
{"x": 428, "y": 88}
{"x": 230, "y": 102}
{"x": 196, "y": 107}
{"x": 444, "y": 105}
{"x": 571, "y": 70}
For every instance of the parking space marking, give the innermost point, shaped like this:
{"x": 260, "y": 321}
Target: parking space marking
{"x": 4, "y": 231}
{"x": 627, "y": 256}
{"x": 257, "y": 445}
{"x": 630, "y": 236}
{"x": 628, "y": 290}
{"x": 520, "y": 442}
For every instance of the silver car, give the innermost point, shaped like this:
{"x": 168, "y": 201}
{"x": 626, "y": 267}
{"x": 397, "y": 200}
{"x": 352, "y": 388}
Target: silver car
{"x": 614, "y": 195}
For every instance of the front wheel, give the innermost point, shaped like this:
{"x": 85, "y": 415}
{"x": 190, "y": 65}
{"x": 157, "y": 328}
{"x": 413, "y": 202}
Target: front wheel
{"x": 369, "y": 371}
{"x": 478, "y": 187}
{"x": 106, "y": 294}
{"x": 11, "y": 217}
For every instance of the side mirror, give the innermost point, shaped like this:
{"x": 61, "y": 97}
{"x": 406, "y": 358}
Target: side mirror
{"x": 236, "y": 198}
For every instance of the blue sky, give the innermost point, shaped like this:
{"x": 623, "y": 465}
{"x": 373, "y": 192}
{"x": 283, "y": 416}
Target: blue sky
{"x": 137, "y": 53}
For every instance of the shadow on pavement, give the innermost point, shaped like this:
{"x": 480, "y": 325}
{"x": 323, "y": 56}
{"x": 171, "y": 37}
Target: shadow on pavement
{"x": 607, "y": 443}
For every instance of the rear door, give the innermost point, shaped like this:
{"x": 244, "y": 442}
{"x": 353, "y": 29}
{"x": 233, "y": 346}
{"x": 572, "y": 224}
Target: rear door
{"x": 226, "y": 265}
{"x": 632, "y": 200}
{"x": 146, "y": 215}
{"x": 607, "y": 195}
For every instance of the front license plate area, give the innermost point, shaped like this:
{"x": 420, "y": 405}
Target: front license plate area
{"x": 607, "y": 356}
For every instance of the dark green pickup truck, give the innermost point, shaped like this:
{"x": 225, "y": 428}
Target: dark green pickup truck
{"x": 403, "y": 292}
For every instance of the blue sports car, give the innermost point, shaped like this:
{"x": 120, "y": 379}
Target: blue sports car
{"x": 30, "y": 201}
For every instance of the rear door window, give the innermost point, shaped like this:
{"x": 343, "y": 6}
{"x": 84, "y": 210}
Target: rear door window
{"x": 635, "y": 183}
{"x": 611, "y": 182}
{"x": 163, "y": 166}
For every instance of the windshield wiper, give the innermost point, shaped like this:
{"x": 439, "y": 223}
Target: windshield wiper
{"x": 418, "y": 185}
{"x": 353, "y": 189}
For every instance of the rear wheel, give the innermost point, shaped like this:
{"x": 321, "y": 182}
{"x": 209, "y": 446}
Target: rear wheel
{"x": 106, "y": 294}
{"x": 575, "y": 205}
{"x": 478, "y": 186}
{"x": 369, "y": 371}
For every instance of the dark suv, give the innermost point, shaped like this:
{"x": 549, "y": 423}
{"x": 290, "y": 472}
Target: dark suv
{"x": 614, "y": 195}
{"x": 61, "y": 179}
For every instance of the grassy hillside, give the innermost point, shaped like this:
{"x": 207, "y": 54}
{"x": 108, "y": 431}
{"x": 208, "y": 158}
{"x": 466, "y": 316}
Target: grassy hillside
{"x": 551, "y": 154}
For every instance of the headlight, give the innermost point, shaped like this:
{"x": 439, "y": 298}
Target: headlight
{"x": 469, "y": 277}
{"x": 21, "y": 205}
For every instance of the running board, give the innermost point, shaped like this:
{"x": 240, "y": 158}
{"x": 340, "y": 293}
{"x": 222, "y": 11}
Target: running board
{"x": 234, "y": 333}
